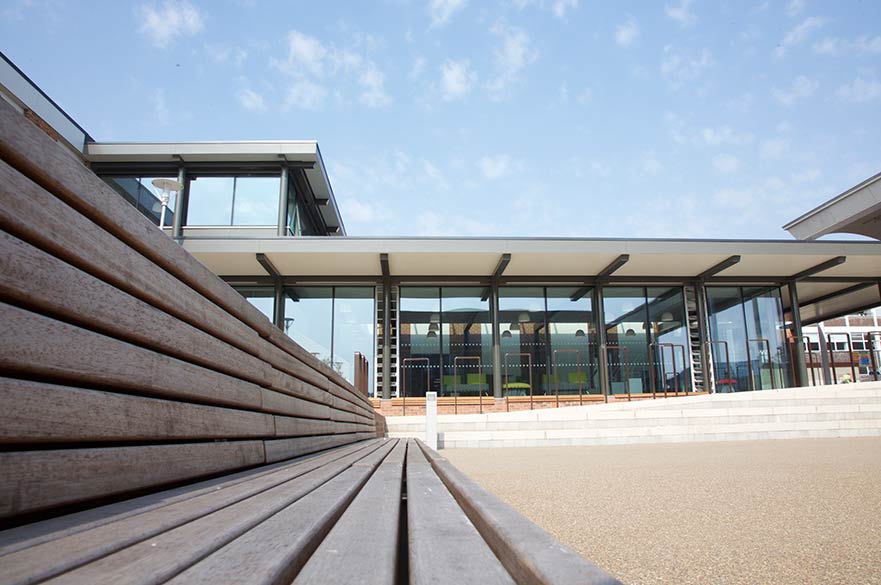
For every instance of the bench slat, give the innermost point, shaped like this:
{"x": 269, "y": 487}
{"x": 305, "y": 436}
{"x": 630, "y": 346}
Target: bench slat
{"x": 443, "y": 544}
{"x": 280, "y": 449}
{"x": 29, "y": 276}
{"x": 35, "y": 345}
{"x": 95, "y": 534}
{"x": 36, "y": 480}
{"x": 37, "y": 412}
{"x": 294, "y": 533}
{"x": 157, "y": 559}
{"x": 373, "y": 517}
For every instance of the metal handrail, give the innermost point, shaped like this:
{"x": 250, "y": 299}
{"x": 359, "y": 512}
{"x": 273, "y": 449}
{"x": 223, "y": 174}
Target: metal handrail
{"x": 605, "y": 350}
{"x": 873, "y": 359}
{"x": 456, "y": 360}
{"x": 404, "y": 380}
{"x": 557, "y": 375}
{"x": 660, "y": 345}
{"x": 685, "y": 386}
{"x": 853, "y": 370}
{"x": 770, "y": 362}
{"x": 710, "y": 345}
{"x": 529, "y": 366}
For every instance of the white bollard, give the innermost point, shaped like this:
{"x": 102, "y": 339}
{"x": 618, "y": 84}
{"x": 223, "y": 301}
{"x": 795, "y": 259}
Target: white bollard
{"x": 431, "y": 419}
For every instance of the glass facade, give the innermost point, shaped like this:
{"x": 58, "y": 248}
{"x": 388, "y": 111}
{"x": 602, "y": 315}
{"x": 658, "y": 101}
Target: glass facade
{"x": 140, "y": 192}
{"x": 419, "y": 339}
{"x": 233, "y": 200}
{"x": 748, "y": 322}
{"x": 261, "y": 297}
{"x": 647, "y": 340}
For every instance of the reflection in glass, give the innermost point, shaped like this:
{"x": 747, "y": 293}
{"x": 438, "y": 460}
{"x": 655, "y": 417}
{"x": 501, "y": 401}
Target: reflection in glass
{"x": 256, "y": 201}
{"x": 308, "y": 314}
{"x": 627, "y": 339}
{"x": 522, "y": 338}
{"x": 669, "y": 337}
{"x": 419, "y": 338}
{"x": 140, "y": 192}
{"x": 769, "y": 355}
{"x": 573, "y": 341}
{"x": 466, "y": 341}
{"x": 233, "y": 200}
{"x": 353, "y": 329}
{"x": 210, "y": 201}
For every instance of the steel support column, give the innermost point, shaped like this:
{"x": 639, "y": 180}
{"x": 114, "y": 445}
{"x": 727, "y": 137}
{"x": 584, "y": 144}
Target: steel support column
{"x": 600, "y": 316}
{"x": 828, "y": 374}
{"x": 703, "y": 326}
{"x": 281, "y": 224}
{"x": 801, "y": 370}
{"x": 278, "y": 309}
{"x": 180, "y": 205}
{"x": 496, "y": 339}
{"x": 386, "y": 327}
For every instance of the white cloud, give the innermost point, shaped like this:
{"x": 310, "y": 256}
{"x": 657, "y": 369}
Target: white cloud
{"x": 584, "y": 96}
{"x": 305, "y": 94}
{"x": 160, "y": 108}
{"x": 726, "y": 163}
{"x": 171, "y": 20}
{"x": 773, "y": 148}
{"x": 442, "y": 10}
{"x": 457, "y": 78}
{"x": 798, "y": 34}
{"x": 650, "y": 163}
{"x": 627, "y": 33}
{"x": 434, "y": 175}
{"x": 417, "y": 67}
{"x": 795, "y": 7}
{"x": 801, "y": 88}
{"x": 724, "y": 135}
{"x": 681, "y": 13}
{"x": 495, "y": 167}
{"x": 314, "y": 67}
{"x": 806, "y": 176}
{"x": 225, "y": 54}
{"x": 861, "y": 45}
{"x": 560, "y": 7}
{"x": 860, "y": 90}
{"x": 251, "y": 100}
{"x": 512, "y": 54}
{"x": 678, "y": 68}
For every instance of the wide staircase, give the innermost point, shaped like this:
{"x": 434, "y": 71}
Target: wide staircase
{"x": 850, "y": 410}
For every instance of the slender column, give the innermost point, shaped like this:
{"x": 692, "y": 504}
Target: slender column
{"x": 282, "y": 201}
{"x": 703, "y": 326}
{"x": 180, "y": 205}
{"x": 497, "y": 349}
{"x": 801, "y": 371}
{"x": 600, "y": 314}
{"x": 828, "y": 374}
{"x": 386, "y": 339}
{"x": 278, "y": 309}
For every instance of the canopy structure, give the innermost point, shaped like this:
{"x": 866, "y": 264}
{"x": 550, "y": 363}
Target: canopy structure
{"x": 856, "y": 211}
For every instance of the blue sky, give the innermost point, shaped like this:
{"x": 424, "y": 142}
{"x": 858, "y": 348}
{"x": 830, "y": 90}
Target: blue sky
{"x": 674, "y": 118}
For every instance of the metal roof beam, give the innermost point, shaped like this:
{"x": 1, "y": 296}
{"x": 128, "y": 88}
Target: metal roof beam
{"x": 838, "y": 293}
{"x": 504, "y": 260}
{"x": 614, "y": 265}
{"x": 383, "y": 263}
{"x": 724, "y": 264}
{"x": 267, "y": 265}
{"x": 837, "y": 261}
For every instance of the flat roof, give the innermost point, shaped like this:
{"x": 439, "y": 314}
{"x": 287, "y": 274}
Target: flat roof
{"x": 242, "y": 151}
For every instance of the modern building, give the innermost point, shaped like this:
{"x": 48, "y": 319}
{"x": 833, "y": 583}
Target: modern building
{"x": 537, "y": 320}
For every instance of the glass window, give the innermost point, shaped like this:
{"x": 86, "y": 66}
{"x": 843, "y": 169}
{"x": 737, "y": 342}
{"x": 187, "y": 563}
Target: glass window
{"x": 419, "y": 334}
{"x": 466, "y": 341}
{"x": 767, "y": 337}
{"x": 627, "y": 339}
{"x": 233, "y": 201}
{"x": 573, "y": 341}
{"x": 668, "y": 327}
{"x": 354, "y": 325}
{"x": 261, "y": 297}
{"x": 140, "y": 192}
{"x": 308, "y": 314}
{"x": 256, "y": 201}
{"x": 522, "y": 330}
{"x": 210, "y": 201}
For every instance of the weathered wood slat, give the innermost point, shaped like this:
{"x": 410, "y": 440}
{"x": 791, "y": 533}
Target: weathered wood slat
{"x": 295, "y": 532}
{"x": 156, "y": 560}
{"x": 40, "y": 346}
{"x": 36, "y": 412}
{"x": 62, "y": 546}
{"x": 372, "y": 517}
{"x": 37, "y": 480}
{"x": 281, "y": 449}
{"x": 530, "y": 554}
{"x": 444, "y": 547}
{"x": 36, "y": 216}
{"x": 47, "y": 284}
{"x": 279, "y": 403}
{"x": 288, "y": 426}
{"x": 36, "y": 155}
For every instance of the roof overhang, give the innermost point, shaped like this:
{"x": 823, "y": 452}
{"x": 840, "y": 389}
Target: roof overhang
{"x": 856, "y": 211}
{"x": 304, "y": 152}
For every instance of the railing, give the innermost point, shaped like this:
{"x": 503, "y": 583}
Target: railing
{"x": 727, "y": 377}
{"x": 456, "y": 360}
{"x": 831, "y": 349}
{"x": 620, "y": 348}
{"x": 362, "y": 373}
{"x": 752, "y": 379}
{"x": 577, "y": 352}
{"x": 508, "y": 387}
{"x": 404, "y": 363}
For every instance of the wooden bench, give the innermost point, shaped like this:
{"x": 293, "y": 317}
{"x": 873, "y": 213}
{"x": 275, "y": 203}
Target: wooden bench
{"x": 156, "y": 428}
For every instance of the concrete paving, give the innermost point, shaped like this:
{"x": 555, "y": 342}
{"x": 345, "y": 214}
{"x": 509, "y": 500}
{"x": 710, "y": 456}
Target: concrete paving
{"x": 787, "y": 511}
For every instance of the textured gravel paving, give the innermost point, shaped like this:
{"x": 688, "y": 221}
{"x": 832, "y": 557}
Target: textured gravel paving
{"x": 789, "y": 511}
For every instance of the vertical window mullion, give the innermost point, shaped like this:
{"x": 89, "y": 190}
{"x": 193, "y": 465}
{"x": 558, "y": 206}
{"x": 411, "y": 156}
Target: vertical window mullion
{"x": 232, "y": 207}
